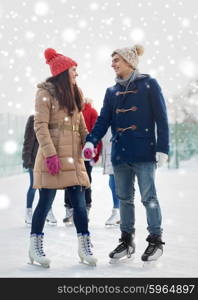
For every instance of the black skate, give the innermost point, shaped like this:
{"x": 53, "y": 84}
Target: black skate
{"x": 154, "y": 249}
{"x": 125, "y": 250}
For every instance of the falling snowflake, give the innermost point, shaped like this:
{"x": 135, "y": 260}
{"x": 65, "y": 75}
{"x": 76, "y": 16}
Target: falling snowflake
{"x": 70, "y": 160}
{"x": 104, "y": 53}
{"x": 10, "y": 147}
{"x": 4, "y": 201}
{"x": 137, "y": 35}
{"x": 41, "y": 8}
{"x": 82, "y": 24}
{"x": 69, "y": 35}
{"x": 185, "y": 23}
{"x": 20, "y": 52}
{"x": 94, "y": 6}
{"x": 10, "y": 131}
{"x": 29, "y": 35}
{"x": 188, "y": 68}
{"x": 126, "y": 22}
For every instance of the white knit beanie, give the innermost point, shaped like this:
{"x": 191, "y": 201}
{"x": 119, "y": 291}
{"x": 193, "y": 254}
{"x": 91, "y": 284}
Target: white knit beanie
{"x": 131, "y": 54}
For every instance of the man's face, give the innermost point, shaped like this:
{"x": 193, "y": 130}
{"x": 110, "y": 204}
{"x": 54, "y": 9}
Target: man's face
{"x": 120, "y": 66}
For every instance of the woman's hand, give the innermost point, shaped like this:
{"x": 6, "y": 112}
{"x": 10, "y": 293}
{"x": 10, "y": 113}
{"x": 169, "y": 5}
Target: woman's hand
{"x": 53, "y": 164}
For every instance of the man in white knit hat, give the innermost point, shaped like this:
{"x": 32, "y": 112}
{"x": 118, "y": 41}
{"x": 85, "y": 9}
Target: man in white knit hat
{"x": 134, "y": 107}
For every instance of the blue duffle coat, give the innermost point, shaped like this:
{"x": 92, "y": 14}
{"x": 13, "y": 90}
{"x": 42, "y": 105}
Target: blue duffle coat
{"x": 138, "y": 120}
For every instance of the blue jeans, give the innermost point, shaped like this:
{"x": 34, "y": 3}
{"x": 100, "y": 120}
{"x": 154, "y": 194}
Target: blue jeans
{"x": 116, "y": 202}
{"x": 88, "y": 191}
{"x": 125, "y": 178}
{"x": 31, "y": 191}
{"x": 77, "y": 196}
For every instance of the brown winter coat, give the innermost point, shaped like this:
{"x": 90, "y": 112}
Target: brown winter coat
{"x": 61, "y": 134}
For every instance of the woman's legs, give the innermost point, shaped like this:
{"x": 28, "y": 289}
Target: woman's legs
{"x": 77, "y": 197}
{"x": 88, "y": 191}
{"x": 46, "y": 198}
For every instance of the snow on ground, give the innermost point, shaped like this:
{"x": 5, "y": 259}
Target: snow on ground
{"x": 177, "y": 191}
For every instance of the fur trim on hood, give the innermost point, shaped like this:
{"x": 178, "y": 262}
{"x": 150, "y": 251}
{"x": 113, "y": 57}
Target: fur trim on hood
{"x": 49, "y": 87}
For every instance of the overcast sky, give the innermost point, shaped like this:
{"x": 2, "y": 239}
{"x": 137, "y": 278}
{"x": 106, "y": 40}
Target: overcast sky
{"x": 88, "y": 31}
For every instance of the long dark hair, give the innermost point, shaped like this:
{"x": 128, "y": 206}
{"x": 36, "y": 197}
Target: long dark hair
{"x": 67, "y": 96}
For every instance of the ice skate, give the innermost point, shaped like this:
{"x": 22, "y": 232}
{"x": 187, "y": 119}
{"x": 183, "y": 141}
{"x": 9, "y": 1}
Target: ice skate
{"x": 84, "y": 250}
{"x": 50, "y": 219}
{"x": 125, "y": 250}
{"x": 114, "y": 219}
{"x": 68, "y": 219}
{"x": 28, "y": 216}
{"x": 153, "y": 251}
{"x": 36, "y": 252}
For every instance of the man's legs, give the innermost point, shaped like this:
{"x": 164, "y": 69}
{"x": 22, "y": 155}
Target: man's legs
{"x": 146, "y": 176}
{"x": 146, "y": 180}
{"x": 124, "y": 181}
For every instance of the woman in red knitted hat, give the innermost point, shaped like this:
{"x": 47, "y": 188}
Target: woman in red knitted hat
{"x": 61, "y": 133}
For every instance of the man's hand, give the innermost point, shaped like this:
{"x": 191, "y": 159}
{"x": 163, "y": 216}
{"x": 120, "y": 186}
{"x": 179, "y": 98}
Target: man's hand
{"x": 161, "y": 158}
{"x": 88, "y": 151}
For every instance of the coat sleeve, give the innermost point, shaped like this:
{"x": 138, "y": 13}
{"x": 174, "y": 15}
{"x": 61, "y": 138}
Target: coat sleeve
{"x": 103, "y": 121}
{"x": 83, "y": 129}
{"x": 160, "y": 115}
{"x": 28, "y": 144}
{"x": 41, "y": 123}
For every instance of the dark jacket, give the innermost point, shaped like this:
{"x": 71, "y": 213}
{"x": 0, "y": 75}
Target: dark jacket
{"x": 138, "y": 121}
{"x": 30, "y": 144}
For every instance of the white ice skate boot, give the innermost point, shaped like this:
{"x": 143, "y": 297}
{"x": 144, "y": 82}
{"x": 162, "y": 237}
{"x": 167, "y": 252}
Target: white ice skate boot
{"x": 68, "y": 219}
{"x": 84, "y": 249}
{"x": 36, "y": 252}
{"x": 50, "y": 219}
{"x": 125, "y": 250}
{"x": 114, "y": 219}
{"x": 28, "y": 216}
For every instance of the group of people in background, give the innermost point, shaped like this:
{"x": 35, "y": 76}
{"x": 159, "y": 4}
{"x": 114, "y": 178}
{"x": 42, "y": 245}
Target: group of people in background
{"x": 133, "y": 121}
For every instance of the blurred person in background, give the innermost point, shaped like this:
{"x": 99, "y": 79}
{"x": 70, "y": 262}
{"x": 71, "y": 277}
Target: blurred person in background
{"x": 114, "y": 218}
{"x": 29, "y": 151}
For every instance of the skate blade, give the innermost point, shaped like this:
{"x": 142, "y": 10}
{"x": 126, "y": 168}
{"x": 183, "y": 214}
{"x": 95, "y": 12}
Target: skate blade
{"x": 68, "y": 223}
{"x": 112, "y": 225}
{"x": 51, "y": 223}
{"x": 28, "y": 224}
{"x": 93, "y": 264}
{"x": 39, "y": 265}
{"x": 149, "y": 264}
{"x": 121, "y": 260}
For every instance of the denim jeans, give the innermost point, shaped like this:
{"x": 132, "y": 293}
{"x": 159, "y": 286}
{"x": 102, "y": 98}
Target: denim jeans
{"x": 125, "y": 178}
{"x": 77, "y": 196}
{"x": 88, "y": 191}
{"x": 116, "y": 201}
{"x": 31, "y": 191}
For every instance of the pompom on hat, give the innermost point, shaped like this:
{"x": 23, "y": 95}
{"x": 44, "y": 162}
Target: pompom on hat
{"x": 58, "y": 63}
{"x": 130, "y": 54}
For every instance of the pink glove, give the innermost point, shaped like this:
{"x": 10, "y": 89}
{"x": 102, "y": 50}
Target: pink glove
{"x": 53, "y": 164}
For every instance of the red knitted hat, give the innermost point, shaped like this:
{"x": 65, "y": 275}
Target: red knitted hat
{"x": 58, "y": 63}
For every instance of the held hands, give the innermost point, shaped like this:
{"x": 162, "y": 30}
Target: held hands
{"x": 161, "y": 158}
{"x": 88, "y": 151}
{"x": 53, "y": 164}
